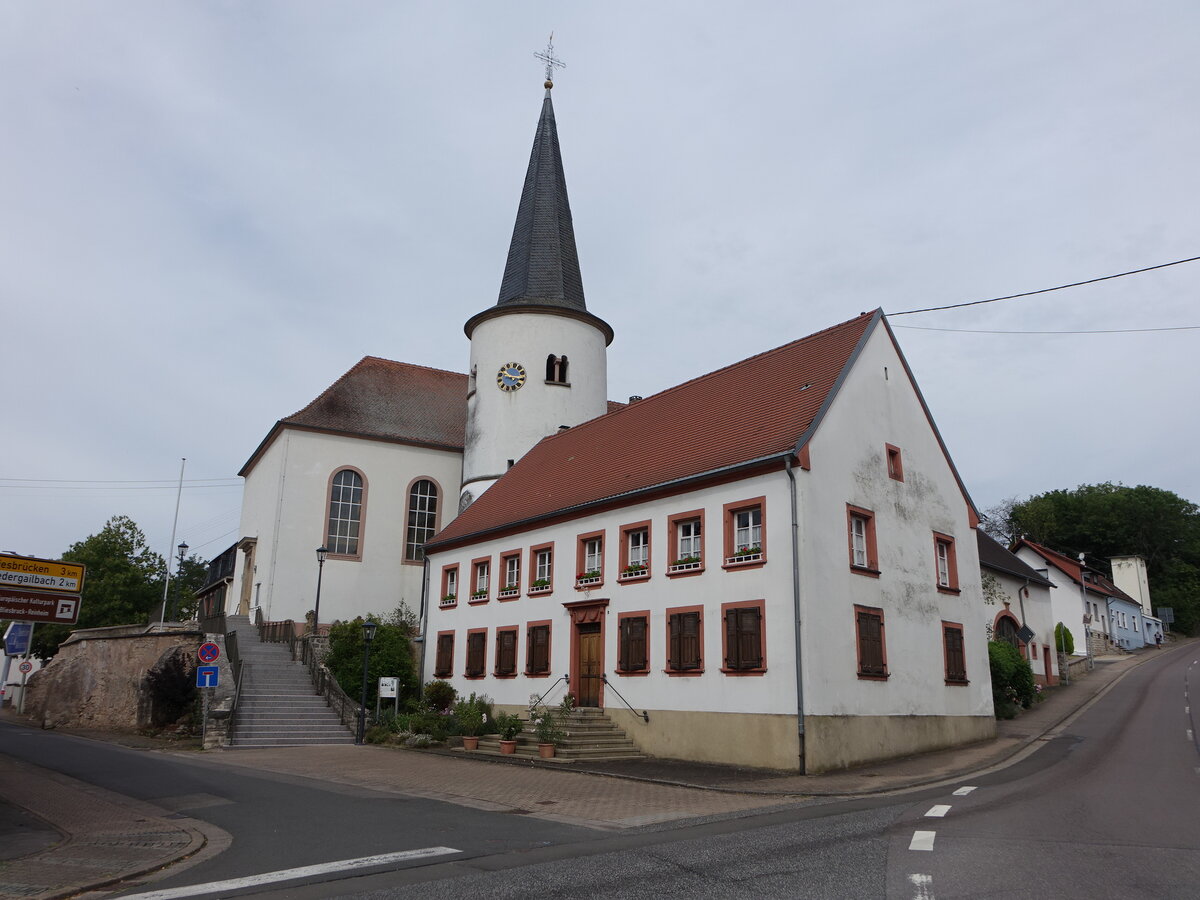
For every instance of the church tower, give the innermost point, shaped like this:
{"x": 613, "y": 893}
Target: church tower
{"x": 538, "y": 357}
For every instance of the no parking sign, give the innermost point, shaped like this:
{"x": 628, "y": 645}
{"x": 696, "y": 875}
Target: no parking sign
{"x": 209, "y": 652}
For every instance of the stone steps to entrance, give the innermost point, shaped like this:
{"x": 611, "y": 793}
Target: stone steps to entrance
{"x": 590, "y": 735}
{"x": 277, "y": 704}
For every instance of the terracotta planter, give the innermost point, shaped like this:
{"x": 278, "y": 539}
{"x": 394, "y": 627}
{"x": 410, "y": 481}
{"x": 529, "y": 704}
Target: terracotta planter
{"x": 508, "y": 746}
{"x": 470, "y": 743}
{"x": 545, "y": 751}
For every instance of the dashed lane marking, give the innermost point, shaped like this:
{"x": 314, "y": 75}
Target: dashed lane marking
{"x": 1189, "y": 734}
{"x": 923, "y": 885}
{"x": 938, "y": 811}
{"x": 342, "y": 865}
{"x": 922, "y": 840}
{"x": 963, "y": 791}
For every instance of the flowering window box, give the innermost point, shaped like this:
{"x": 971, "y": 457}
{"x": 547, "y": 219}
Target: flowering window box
{"x": 479, "y": 597}
{"x": 745, "y": 556}
{"x": 634, "y": 573}
{"x": 509, "y": 592}
{"x": 540, "y": 587}
{"x": 687, "y": 564}
{"x": 587, "y": 579}
{"x": 449, "y": 600}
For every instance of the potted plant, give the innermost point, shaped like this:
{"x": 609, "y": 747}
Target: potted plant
{"x": 508, "y": 727}
{"x": 472, "y": 715}
{"x": 549, "y": 732}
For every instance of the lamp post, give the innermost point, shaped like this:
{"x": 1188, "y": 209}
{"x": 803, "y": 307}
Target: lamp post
{"x": 183, "y": 549}
{"x": 322, "y": 552}
{"x": 368, "y": 636}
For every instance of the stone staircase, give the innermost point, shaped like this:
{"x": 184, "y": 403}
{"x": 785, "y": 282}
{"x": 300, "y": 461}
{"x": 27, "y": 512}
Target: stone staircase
{"x": 277, "y": 705}
{"x": 591, "y": 735}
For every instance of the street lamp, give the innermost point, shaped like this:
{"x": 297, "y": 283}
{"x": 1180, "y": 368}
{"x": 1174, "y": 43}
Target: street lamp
{"x": 322, "y": 552}
{"x": 368, "y": 636}
{"x": 183, "y": 549}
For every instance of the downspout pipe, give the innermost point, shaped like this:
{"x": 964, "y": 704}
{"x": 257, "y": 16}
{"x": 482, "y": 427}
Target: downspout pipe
{"x": 796, "y": 607}
{"x": 424, "y": 621}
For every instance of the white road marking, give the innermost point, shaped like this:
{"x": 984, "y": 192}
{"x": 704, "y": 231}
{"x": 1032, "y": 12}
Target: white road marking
{"x": 938, "y": 811}
{"x": 922, "y": 840}
{"x": 963, "y": 791}
{"x": 342, "y": 865}
{"x": 1189, "y": 731}
{"x": 924, "y": 886}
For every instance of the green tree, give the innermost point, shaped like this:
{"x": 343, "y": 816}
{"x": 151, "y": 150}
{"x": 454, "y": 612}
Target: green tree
{"x": 391, "y": 655}
{"x": 122, "y": 585}
{"x": 185, "y": 584}
{"x": 1106, "y": 520}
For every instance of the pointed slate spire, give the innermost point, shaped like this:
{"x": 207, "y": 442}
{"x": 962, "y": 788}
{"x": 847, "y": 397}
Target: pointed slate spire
{"x": 543, "y": 264}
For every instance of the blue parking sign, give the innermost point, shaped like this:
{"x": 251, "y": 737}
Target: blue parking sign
{"x": 207, "y": 676}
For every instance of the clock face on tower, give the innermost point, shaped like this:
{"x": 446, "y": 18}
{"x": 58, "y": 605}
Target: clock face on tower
{"x": 510, "y": 377}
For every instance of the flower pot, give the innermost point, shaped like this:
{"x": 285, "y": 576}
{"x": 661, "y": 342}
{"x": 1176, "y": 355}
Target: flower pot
{"x": 470, "y": 743}
{"x": 545, "y": 751}
{"x": 508, "y": 746}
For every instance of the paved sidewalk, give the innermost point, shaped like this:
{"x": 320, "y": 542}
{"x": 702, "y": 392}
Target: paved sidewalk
{"x": 108, "y": 837}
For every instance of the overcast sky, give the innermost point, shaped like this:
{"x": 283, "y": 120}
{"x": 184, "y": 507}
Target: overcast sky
{"x": 211, "y": 210}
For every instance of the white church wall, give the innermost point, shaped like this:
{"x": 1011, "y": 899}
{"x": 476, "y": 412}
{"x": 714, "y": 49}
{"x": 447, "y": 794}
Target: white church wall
{"x": 287, "y": 511}
{"x": 503, "y": 425}
{"x": 875, "y": 407}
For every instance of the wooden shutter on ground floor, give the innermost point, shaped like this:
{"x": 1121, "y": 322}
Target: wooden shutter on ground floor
{"x": 870, "y": 643}
{"x": 956, "y": 660}
{"x": 445, "y": 656}
{"x": 743, "y": 638}
{"x": 476, "y": 651}
{"x": 506, "y": 652}
{"x": 537, "y": 654}
{"x": 685, "y": 642}
{"x": 631, "y": 655}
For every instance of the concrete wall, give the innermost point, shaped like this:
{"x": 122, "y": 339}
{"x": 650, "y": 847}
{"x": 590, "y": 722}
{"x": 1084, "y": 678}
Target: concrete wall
{"x": 285, "y": 506}
{"x": 838, "y": 742}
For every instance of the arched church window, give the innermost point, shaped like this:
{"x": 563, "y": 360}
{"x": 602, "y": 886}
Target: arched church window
{"x": 556, "y": 369}
{"x": 345, "y": 513}
{"x": 1006, "y": 630}
{"x": 422, "y": 518}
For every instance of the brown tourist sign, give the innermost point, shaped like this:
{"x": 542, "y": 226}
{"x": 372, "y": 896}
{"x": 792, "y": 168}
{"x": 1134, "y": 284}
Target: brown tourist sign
{"x": 35, "y": 606}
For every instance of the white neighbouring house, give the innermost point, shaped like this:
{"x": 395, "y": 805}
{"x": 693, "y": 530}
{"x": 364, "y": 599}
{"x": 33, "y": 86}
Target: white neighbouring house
{"x": 1129, "y": 574}
{"x": 1018, "y": 608}
{"x": 776, "y": 560}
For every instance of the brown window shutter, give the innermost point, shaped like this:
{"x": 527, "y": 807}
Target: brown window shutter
{"x": 956, "y": 663}
{"x": 623, "y": 646}
{"x": 689, "y": 642}
{"x": 445, "y": 655}
{"x": 506, "y": 652}
{"x": 539, "y": 650}
{"x": 747, "y": 638}
{"x": 637, "y": 644}
{"x": 675, "y": 642}
{"x": 475, "y": 653}
{"x": 870, "y": 643}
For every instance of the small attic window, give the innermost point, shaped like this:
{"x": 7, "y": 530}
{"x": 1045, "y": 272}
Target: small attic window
{"x": 556, "y": 369}
{"x": 895, "y": 463}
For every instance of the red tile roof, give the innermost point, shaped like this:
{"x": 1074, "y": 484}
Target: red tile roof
{"x": 1097, "y": 583}
{"x": 761, "y": 407}
{"x": 386, "y": 400}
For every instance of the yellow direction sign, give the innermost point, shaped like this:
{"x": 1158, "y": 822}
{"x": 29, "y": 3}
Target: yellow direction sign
{"x": 35, "y": 574}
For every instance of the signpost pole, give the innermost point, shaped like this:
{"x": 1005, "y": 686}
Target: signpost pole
{"x": 25, "y": 674}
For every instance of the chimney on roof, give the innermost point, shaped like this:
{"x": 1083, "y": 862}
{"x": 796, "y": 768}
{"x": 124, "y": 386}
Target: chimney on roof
{"x": 634, "y": 398}
{"x": 562, "y": 428}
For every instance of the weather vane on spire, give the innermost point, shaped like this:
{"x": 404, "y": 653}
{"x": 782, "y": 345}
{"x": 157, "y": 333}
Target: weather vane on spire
{"x": 552, "y": 62}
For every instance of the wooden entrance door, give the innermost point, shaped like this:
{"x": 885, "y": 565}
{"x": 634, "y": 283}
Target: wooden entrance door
{"x": 591, "y": 664}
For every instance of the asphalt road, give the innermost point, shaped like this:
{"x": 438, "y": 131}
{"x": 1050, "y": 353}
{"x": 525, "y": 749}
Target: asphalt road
{"x": 1107, "y": 807}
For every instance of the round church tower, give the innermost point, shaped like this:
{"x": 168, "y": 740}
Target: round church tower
{"x": 538, "y": 357}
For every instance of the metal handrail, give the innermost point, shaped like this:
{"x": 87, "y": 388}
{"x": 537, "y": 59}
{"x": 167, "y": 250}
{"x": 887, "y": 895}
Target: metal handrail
{"x": 237, "y": 686}
{"x": 538, "y": 702}
{"x": 277, "y": 632}
{"x": 645, "y": 716}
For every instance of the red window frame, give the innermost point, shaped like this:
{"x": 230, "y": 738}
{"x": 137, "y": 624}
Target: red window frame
{"x": 895, "y": 462}
{"x": 443, "y": 665}
{"x": 730, "y": 511}
{"x": 872, "y": 548}
{"x": 581, "y": 542}
{"x": 870, "y": 669}
{"x": 476, "y": 642}
{"x": 625, "y": 532}
{"x": 531, "y": 630}
{"x": 678, "y": 619}
{"x": 740, "y": 657}
{"x": 506, "y": 646}
{"x": 954, "y": 653}
{"x": 939, "y": 541}
{"x": 445, "y": 592}
{"x": 673, "y": 523}
{"x": 623, "y": 667}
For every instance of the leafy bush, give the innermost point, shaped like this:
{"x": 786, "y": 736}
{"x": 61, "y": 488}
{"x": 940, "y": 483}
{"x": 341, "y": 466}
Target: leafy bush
{"x": 473, "y": 715}
{"x": 1063, "y": 639}
{"x": 440, "y": 695}
{"x": 391, "y": 655}
{"x": 508, "y": 726}
{"x": 1012, "y": 679}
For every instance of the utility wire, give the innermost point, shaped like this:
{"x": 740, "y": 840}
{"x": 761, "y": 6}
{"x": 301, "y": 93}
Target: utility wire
{"x": 1061, "y": 287}
{"x": 1100, "y": 331}
{"x": 130, "y": 481}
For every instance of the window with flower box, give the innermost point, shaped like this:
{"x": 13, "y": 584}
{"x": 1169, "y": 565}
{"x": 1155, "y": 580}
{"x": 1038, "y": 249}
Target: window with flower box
{"x": 537, "y": 648}
{"x": 443, "y": 666}
{"x": 745, "y": 536}
{"x": 635, "y": 552}
{"x": 449, "y": 586}
{"x": 506, "y": 652}
{"x": 860, "y": 524}
{"x": 542, "y": 560}
{"x": 481, "y": 573}
{"x": 633, "y": 649}
{"x": 590, "y": 561}
{"x": 476, "y": 653}
{"x": 510, "y": 564}
{"x": 685, "y": 641}
{"x": 686, "y": 535}
{"x": 742, "y": 639}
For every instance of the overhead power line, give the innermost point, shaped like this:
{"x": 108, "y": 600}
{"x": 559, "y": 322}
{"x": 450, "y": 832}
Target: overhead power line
{"x": 1098, "y": 331}
{"x": 1061, "y": 287}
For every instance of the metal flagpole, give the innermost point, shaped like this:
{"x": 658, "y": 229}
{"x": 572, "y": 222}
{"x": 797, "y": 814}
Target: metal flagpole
{"x": 167, "y": 580}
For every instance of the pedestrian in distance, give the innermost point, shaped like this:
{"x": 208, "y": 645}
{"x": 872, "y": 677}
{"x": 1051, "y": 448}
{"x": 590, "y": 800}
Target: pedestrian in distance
{"x": 1158, "y": 640}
